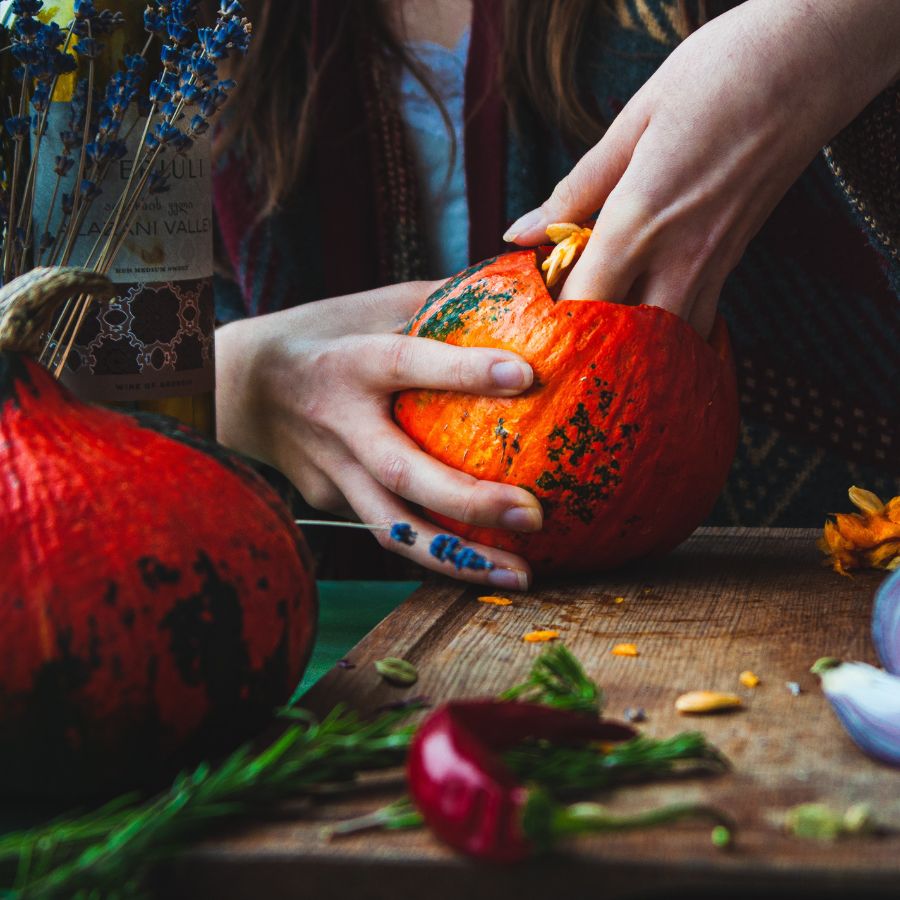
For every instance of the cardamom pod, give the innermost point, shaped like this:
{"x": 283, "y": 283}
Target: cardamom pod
{"x": 397, "y": 671}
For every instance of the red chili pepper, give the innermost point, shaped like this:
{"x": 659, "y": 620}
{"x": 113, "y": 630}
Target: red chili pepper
{"x": 462, "y": 787}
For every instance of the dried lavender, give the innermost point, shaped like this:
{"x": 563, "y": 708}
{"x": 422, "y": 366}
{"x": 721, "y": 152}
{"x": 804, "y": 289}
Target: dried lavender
{"x": 167, "y": 116}
{"x": 403, "y": 533}
{"x": 448, "y": 548}
{"x": 444, "y": 547}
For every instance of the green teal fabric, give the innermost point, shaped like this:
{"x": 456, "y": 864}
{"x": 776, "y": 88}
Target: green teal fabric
{"x": 349, "y": 610}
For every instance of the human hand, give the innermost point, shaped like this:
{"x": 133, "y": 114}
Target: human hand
{"x": 310, "y": 391}
{"x": 697, "y": 160}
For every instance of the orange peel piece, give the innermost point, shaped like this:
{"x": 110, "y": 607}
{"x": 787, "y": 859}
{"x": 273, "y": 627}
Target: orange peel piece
{"x": 625, "y": 650}
{"x": 748, "y": 679}
{"x": 867, "y": 539}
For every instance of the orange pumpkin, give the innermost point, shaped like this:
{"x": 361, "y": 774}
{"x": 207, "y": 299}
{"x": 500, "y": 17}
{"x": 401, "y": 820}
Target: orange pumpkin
{"x": 626, "y": 436}
{"x": 157, "y": 601}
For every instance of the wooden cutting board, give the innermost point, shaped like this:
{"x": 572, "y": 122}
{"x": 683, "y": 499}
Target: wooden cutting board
{"x": 727, "y": 601}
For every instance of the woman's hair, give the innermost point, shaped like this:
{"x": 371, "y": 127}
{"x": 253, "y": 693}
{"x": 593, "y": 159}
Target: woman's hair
{"x": 277, "y": 81}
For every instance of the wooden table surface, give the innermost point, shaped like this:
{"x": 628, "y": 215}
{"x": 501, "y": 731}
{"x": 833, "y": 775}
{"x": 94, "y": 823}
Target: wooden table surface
{"x": 728, "y": 600}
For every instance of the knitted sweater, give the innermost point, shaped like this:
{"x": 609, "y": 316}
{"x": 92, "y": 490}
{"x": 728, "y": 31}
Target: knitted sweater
{"x": 814, "y": 321}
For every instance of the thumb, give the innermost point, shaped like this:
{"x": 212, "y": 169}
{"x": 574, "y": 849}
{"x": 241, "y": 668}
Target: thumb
{"x": 584, "y": 190}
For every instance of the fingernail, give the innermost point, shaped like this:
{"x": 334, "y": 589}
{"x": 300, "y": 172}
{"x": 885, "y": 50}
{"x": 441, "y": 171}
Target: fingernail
{"x": 513, "y": 579}
{"x": 523, "y": 223}
{"x": 522, "y": 518}
{"x": 513, "y": 376}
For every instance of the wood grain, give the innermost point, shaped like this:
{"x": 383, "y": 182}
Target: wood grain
{"x": 727, "y": 601}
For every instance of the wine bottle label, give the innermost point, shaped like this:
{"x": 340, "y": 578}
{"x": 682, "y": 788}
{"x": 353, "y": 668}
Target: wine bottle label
{"x": 155, "y": 339}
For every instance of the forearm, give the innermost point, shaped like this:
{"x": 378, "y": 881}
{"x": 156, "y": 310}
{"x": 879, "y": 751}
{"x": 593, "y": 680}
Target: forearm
{"x": 845, "y": 52}
{"x": 246, "y": 364}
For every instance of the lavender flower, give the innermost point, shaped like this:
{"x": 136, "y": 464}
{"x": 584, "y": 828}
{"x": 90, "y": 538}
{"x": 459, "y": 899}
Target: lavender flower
{"x": 84, "y": 9}
{"x": 403, "y": 533}
{"x": 44, "y": 51}
{"x": 17, "y": 126}
{"x": 26, "y": 8}
{"x": 41, "y": 97}
{"x": 89, "y": 189}
{"x": 158, "y": 183}
{"x": 154, "y": 22}
{"x": 448, "y": 548}
{"x": 88, "y": 48}
{"x": 63, "y": 165}
{"x": 444, "y": 547}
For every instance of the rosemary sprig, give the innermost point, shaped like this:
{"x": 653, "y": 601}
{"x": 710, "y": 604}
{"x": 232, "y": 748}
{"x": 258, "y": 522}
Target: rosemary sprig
{"x": 107, "y": 852}
{"x": 558, "y": 679}
{"x": 563, "y": 770}
{"x": 113, "y": 846}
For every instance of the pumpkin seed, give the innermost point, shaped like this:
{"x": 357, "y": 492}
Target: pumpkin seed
{"x": 397, "y": 671}
{"x": 707, "y": 701}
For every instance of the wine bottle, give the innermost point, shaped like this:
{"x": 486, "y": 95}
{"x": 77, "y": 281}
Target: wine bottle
{"x": 152, "y": 347}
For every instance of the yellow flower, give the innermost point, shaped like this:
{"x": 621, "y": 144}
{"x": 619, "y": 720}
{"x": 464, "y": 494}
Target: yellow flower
{"x": 570, "y": 240}
{"x": 868, "y": 539}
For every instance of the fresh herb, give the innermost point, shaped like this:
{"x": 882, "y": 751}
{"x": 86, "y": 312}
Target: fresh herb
{"x": 567, "y": 769}
{"x": 818, "y": 821}
{"x": 396, "y": 816}
{"x": 563, "y": 771}
{"x": 108, "y": 852}
{"x": 546, "y": 822}
{"x": 558, "y": 679}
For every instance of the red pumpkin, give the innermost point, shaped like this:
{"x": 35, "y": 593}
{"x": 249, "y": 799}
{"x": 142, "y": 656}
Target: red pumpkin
{"x": 157, "y": 601}
{"x": 626, "y": 436}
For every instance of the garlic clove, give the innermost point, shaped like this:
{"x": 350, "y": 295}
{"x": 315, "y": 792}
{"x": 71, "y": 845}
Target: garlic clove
{"x": 867, "y": 702}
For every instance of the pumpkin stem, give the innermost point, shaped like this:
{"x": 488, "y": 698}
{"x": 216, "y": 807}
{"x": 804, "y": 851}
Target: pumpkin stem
{"x": 29, "y": 303}
{"x": 570, "y": 240}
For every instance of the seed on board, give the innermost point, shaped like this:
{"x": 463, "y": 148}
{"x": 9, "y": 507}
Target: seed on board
{"x": 397, "y": 671}
{"x": 496, "y": 601}
{"x": 625, "y": 650}
{"x": 707, "y": 701}
{"x": 619, "y": 600}
{"x": 748, "y": 679}
{"x": 537, "y": 637}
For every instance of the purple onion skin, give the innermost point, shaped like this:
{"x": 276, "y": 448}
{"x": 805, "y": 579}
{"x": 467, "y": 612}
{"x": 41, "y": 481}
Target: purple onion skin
{"x": 878, "y": 737}
{"x": 886, "y": 623}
